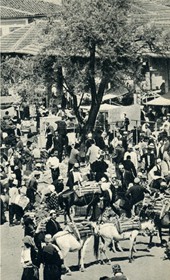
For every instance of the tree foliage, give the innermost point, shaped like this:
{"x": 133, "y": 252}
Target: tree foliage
{"x": 93, "y": 42}
{"x": 97, "y": 41}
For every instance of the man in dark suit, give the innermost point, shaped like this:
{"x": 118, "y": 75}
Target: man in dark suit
{"x": 149, "y": 158}
{"x": 51, "y": 259}
{"x": 52, "y": 226}
{"x": 129, "y": 166}
{"x": 125, "y": 177}
{"x": 118, "y": 156}
{"x": 100, "y": 168}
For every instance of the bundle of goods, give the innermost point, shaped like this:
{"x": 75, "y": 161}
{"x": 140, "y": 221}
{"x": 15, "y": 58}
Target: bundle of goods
{"x": 84, "y": 229}
{"x": 126, "y": 224}
{"x": 81, "y": 211}
{"x": 167, "y": 197}
{"x": 157, "y": 208}
{"x": 90, "y": 187}
{"x": 109, "y": 216}
{"x": 41, "y": 225}
{"x": 147, "y": 200}
{"x": 22, "y": 201}
{"x": 42, "y": 217}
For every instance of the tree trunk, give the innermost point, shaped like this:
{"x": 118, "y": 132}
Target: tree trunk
{"x": 49, "y": 93}
{"x": 95, "y": 107}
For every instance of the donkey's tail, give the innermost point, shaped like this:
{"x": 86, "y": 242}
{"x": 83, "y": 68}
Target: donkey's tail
{"x": 96, "y": 245}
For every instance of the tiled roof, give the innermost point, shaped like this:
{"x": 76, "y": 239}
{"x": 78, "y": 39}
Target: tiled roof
{"x": 7, "y": 12}
{"x": 154, "y": 11}
{"x": 25, "y": 40}
{"x": 34, "y": 7}
{"x": 22, "y": 38}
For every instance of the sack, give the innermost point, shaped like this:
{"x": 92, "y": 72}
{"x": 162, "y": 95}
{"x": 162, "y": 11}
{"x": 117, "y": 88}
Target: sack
{"x": 22, "y": 201}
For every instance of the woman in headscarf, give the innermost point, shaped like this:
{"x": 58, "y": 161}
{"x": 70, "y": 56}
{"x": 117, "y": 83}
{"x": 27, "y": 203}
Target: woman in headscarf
{"x": 30, "y": 260}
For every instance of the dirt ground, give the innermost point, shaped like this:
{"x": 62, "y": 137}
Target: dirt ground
{"x": 147, "y": 265}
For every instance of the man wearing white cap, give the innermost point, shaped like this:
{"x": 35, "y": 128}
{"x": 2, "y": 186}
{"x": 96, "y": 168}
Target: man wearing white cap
{"x": 149, "y": 157}
{"x": 74, "y": 177}
{"x": 136, "y": 193}
{"x": 51, "y": 258}
{"x": 132, "y": 154}
{"x": 93, "y": 153}
{"x": 53, "y": 164}
{"x": 52, "y": 226}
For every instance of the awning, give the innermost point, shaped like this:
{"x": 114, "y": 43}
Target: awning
{"x": 103, "y": 107}
{"x": 9, "y": 100}
{"x": 109, "y": 96}
{"x": 160, "y": 101}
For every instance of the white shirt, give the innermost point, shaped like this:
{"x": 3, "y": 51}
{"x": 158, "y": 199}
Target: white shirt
{"x": 36, "y": 153}
{"x": 13, "y": 192}
{"x": 53, "y": 162}
{"x": 93, "y": 153}
{"x": 151, "y": 174}
{"x": 77, "y": 177}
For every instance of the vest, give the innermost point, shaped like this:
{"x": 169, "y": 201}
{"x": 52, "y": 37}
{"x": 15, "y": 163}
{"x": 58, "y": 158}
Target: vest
{"x": 158, "y": 171}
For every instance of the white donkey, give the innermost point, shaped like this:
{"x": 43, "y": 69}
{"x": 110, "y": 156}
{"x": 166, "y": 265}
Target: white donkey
{"x": 108, "y": 233}
{"x": 68, "y": 241}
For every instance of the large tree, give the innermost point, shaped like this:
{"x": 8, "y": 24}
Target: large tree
{"x": 96, "y": 41}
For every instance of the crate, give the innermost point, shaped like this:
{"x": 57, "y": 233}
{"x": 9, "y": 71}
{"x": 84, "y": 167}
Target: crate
{"x": 128, "y": 225}
{"x": 81, "y": 211}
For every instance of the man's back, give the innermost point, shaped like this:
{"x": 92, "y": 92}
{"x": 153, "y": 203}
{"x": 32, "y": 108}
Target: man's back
{"x": 50, "y": 255}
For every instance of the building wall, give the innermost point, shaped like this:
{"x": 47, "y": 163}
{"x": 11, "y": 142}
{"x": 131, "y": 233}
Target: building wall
{"x": 9, "y": 25}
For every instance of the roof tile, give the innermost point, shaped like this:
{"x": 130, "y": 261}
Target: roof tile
{"x": 34, "y": 7}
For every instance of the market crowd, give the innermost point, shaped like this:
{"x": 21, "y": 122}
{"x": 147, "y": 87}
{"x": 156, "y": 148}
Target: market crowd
{"x": 139, "y": 160}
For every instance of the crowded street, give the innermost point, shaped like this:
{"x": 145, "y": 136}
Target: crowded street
{"x": 140, "y": 268}
{"x": 85, "y": 140}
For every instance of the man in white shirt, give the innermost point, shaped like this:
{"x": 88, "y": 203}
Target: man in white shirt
{"x": 92, "y": 156}
{"x": 53, "y": 164}
{"x": 93, "y": 153}
{"x": 13, "y": 193}
{"x": 155, "y": 175}
{"x": 133, "y": 156}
